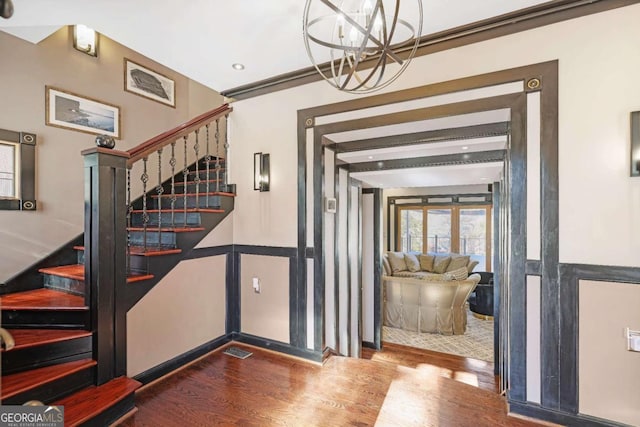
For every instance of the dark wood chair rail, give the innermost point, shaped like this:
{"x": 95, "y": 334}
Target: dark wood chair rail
{"x": 165, "y": 138}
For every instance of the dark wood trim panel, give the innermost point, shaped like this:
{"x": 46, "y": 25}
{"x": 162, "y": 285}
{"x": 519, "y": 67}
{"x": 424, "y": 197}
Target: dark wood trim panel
{"x": 550, "y": 237}
{"x": 427, "y": 137}
{"x": 209, "y": 252}
{"x": 377, "y": 273}
{"x": 430, "y": 161}
{"x": 177, "y": 362}
{"x": 521, "y": 20}
{"x": 279, "y": 251}
{"x": 533, "y": 268}
{"x": 517, "y": 228}
{"x": 232, "y": 323}
{"x": 497, "y": 279}
{"x": 299, "y": 291}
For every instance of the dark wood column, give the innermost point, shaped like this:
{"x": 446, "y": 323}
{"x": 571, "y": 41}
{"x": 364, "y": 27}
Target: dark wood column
{"x": 105, "y": 242}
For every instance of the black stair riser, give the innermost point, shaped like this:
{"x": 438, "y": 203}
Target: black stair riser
{"x": 192, "y": 187}
{"x": 45, "y": 319}
{"x": 45, "y": 355}
{"x": 167, "y": 239}
{"x": 212, "y": 202}
{"x": 193, "y": 219}
{"x": 116, "y": 411}
{"x": 141, "y": 263}
{"x": 56, "y": 389}
{"x": 64, "y": 284}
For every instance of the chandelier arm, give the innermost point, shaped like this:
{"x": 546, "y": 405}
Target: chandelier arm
{"x": 360, "y": 28}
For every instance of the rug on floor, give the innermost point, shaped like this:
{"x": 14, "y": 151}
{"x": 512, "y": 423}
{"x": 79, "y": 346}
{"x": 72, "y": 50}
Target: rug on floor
{"x": 476, "y": 343}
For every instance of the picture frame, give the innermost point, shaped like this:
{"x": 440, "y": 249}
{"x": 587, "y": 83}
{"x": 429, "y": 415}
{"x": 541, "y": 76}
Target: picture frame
{"x": 150, "y": 84}
{"x": 68, "y": 110}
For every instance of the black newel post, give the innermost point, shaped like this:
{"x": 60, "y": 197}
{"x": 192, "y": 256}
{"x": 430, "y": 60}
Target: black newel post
{"x": 105, "y": 242}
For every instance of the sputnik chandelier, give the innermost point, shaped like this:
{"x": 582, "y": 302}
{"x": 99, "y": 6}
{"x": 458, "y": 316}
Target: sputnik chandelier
{"x": 360, "y": 46}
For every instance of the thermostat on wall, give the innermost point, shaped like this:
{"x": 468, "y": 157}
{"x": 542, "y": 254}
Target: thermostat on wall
{"x": 330, "y": 205}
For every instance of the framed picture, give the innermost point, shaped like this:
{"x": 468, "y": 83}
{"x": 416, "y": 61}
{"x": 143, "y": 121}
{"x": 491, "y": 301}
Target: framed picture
{"x": 72, "y": 111}
{"x": 144, "y": 82}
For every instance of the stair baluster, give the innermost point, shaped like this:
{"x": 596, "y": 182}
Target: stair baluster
{"x": 196, "y": 148}
{"x": 173, "y": 197}
{"x": 159, "y": 191}
{"x": 185, "y": 173}
{"x": 217, "y": 155}
{"x": 207, "y": 160}
{"x": 129, "y": 215}
{"x": 226, "y": 152}
{"x": 145, "y": 214}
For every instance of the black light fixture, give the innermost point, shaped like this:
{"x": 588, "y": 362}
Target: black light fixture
{"x": 635, "y": 143}
{"x": 85, "y": 40}
{"x": 261, "y": 174}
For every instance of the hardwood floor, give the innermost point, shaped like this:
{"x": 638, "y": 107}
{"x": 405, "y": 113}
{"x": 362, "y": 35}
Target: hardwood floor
{"x": 396, "y": 387}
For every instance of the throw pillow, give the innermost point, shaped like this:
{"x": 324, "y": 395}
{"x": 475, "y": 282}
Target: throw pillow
{"x": 471, "y": 266}
{"x": 426, "y": 262}
{"x": 457, "y": 261}
{"x": 459, "y": 274}
{"x": 386, "y": 266}
{"x": 396, "y": 259}
{"x": 412, "y": 262}
{"x": 441, "y": 263}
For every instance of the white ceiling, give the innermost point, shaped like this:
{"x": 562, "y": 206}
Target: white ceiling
{"x": 203, "y": 38}
{"x": 481, "y": 173}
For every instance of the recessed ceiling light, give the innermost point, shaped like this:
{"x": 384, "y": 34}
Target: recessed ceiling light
{"x": 483, "y": 179}
{"x": 238, "y": 66}
{"x": 370, "y": 157}
{"x": 465, "y": 147}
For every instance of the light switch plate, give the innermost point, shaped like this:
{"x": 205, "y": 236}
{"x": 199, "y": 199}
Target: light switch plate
{"x": 633, "y": 340}
{"x": 256, "y": 285}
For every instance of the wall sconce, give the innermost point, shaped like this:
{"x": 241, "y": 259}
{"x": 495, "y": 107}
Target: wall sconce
{"x": 261, "y": 172}
{"x": 635, "y": 143}
{"x": 85, "y": 40}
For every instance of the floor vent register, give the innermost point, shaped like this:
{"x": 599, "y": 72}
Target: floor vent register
{"x": 237, "y": 352}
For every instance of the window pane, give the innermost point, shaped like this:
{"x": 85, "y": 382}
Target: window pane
{"x": 411, "y": 230}
{"x": 439, "y": 231}
{"x": 473, "y": 235}
{"x": 7, "y": 170}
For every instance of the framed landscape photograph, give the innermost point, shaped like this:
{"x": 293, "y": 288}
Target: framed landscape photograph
{"x": 145, "y": 82}
{"x": 76, "y": 112}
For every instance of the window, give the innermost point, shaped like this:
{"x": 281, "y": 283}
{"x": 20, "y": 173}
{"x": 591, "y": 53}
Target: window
{"x": 17, "y": 170}
{"x": 459, "y": 229}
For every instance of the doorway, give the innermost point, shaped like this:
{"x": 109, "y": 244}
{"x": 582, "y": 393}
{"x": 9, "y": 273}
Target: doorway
{"x": 511, "y": 90}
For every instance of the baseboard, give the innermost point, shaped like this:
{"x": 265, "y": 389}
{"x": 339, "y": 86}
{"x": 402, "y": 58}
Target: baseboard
{"x": 533, "y": 410}
{"x": 177, "y": 362}
{"x": 369, "y": 344}
{"x": 278, "y": 346}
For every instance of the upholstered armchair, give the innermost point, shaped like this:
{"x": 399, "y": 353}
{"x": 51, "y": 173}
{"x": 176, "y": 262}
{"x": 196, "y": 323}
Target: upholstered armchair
{"x": 437, "y": 306}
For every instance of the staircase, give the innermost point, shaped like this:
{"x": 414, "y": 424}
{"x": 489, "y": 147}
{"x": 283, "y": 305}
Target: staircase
{"x": 57, "y": 332}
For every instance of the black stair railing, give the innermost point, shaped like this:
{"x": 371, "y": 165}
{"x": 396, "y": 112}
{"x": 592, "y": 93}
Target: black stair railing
{"x": 117, "y": 225}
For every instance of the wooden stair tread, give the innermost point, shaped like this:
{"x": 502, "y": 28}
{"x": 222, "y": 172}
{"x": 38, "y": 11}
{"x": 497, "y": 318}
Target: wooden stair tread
{"x": 91, "y": 401}
{"x": 42, "y": 299}
{"x": 212, "y": 193}
{"x": 25, "y": 338}
{"x": 168, "y": 229}
{"x": 150, "y": 251}
{"x": 76, "y": 272}
{"x": 24, "y": 381}
{"x": 179, "y": 210}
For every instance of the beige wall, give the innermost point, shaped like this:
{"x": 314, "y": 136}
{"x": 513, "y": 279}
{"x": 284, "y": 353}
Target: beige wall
{"x": 598, "y": 69}
{"x": 609, "y": 374}
{"x": 186, "y": 309}
{"x": 26, "y": 237}
{"x": 265, "y": 314}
